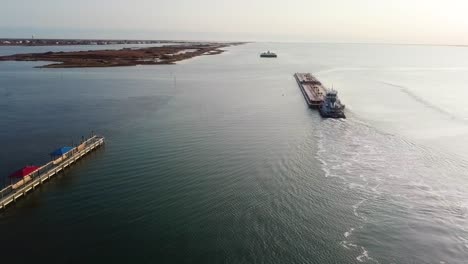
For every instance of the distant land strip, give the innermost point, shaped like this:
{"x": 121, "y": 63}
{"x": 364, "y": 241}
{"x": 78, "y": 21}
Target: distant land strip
{"x": 167, "y": 54}
{"x": 70, "y": 42}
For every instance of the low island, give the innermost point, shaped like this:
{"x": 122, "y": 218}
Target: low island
{"x": 168, "y": 54}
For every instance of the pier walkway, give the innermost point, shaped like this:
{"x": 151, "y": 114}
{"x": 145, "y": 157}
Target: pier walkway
{"x": 19, "y": 189}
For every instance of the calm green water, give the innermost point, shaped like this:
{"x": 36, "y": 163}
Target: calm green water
{"x": 218, "y": 160}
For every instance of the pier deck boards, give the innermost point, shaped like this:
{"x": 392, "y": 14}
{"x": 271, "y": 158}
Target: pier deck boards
{"x": 10, "y": 194}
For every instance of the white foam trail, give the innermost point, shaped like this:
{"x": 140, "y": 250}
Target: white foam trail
{"x": 327, "y": 172}
{"x": 356, "y": 185}
{"x": 348, "y": 245}
{"x": 348, "y": 165}
{"x": 375, "y": 189}
{"x": 365, "y": 256}
{"x": 363, "y": 177}
{"x": 356, "y": 207}
{"x": 341, "y": 69}
{"x": 343, "y": 243}
{"x": 348, "y": 233}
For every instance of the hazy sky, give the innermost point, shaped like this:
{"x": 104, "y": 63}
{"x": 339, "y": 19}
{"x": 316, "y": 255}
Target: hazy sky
{"x": 395, "y": 21}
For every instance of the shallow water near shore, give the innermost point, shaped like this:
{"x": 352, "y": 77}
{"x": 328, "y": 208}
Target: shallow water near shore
{"x": 218, "y": 159}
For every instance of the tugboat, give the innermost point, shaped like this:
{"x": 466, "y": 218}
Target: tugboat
{"x": 268, "y": 54}
{"x": 332, "y": 106}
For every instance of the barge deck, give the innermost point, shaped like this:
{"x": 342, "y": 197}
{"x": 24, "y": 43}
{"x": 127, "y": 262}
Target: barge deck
{"x": 312, "y": 89}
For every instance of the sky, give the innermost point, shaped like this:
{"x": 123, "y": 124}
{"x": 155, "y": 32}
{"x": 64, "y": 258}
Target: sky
{"x": 368, "y": 21}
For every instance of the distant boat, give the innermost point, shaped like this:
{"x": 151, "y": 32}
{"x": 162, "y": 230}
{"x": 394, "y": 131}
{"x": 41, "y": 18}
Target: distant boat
{"x": 268, "y": 54}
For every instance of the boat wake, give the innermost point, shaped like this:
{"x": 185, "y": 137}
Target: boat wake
{"x": 349, "y": 232}
{"x": 342, "y": 163}
{"x": 423, "y": 101}
{"x": 387, "y": 178}
{"x": 364, "y": 257}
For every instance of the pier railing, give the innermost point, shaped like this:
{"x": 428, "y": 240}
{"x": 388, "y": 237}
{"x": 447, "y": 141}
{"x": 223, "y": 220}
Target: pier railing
{"x": 20, "y": 188}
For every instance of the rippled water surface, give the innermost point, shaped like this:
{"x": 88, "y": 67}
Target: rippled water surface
{"x": 218, "y": 160}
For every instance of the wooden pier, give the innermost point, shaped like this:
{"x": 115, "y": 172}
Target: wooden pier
{"x": 20, "y": 189}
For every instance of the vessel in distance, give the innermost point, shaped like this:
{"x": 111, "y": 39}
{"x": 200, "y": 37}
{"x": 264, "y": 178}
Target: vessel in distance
{"x": 268, "y": 54}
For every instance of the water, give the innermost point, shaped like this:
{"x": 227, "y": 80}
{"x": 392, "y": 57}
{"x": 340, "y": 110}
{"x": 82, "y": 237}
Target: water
{"x": 217, "y": 159}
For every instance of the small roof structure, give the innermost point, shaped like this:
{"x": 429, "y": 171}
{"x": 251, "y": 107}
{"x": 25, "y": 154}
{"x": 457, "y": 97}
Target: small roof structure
{"x": 61, "y": 151}
{"x": 24, "y": 172}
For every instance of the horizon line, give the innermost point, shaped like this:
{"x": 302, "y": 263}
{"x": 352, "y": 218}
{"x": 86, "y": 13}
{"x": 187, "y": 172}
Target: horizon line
{"x": 247, "y": 41}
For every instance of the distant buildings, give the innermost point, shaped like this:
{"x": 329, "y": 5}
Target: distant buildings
{"x": 55, "y": 42}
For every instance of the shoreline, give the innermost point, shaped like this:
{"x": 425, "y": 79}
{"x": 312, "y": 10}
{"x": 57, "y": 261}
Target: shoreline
{"x": 168, "y": 54}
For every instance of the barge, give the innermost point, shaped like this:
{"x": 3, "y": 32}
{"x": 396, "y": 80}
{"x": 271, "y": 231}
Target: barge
{"x": 318, "y": 97}
{"x": 312, "y": 89}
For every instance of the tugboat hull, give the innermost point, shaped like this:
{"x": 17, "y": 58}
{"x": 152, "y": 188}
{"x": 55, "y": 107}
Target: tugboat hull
{"x": 325, "y": 114}
{"x": 268, "y": 56}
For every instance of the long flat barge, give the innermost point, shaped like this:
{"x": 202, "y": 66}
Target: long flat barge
{"x": 319, "y": 97}
{"x": 312, "y": 89}
{"x": 20, "y": 189}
